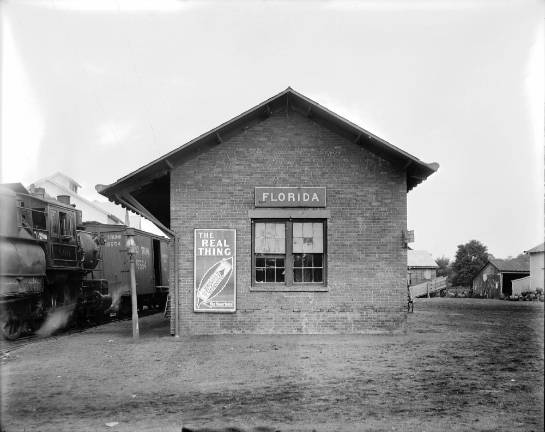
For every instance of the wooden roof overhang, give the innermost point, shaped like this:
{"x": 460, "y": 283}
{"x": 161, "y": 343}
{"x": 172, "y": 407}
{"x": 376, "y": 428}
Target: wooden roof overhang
{"x": 147, "y": 190}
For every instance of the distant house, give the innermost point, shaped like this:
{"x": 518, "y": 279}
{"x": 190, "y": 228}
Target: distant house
{"x": 421, "y": 266}
{"x": 535, "y": 281}
{"x": 61, "y": 185}
{"x": 495, "y": 279}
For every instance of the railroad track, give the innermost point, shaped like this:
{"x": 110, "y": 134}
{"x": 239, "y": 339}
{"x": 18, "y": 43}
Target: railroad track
{"x": 7, "y": 347}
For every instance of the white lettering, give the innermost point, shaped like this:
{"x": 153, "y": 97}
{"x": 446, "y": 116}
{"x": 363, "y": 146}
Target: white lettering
{"x": 315, "y": 197}
{"x": 306, "y": 196}
{"x": 281, "y": 196}
{"x": 291, "y": 196}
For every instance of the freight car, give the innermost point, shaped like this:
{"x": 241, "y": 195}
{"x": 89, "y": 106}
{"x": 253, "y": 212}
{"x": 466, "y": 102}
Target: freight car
{"x": 44, "y": 258}
{"x": 151, "y": 266}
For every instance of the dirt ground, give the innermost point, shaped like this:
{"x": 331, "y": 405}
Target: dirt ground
{"x": 464, "y": 364}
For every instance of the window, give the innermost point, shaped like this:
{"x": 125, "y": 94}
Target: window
{"x": 67, "y": 224}
{"x": 54, "y": 223}
{"x": 38, "y": 218}
{"x": 289, "y": 253}
{"x": 64, "y": 224}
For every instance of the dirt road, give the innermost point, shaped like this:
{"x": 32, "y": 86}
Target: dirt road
{"x": 464, "y": 364}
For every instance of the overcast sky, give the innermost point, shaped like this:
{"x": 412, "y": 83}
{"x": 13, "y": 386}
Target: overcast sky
{"x": 96, "y": 89}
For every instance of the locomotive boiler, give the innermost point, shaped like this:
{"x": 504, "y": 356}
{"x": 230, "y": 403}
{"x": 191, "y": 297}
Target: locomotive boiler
{"x": 44, "y": 258}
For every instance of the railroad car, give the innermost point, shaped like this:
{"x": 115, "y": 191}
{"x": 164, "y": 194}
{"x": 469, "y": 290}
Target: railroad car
{"x": 151, "y": 266}
{"x": 44, "y": 258}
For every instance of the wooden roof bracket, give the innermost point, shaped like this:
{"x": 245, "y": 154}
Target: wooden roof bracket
{"x": 133, "y": 204}
{"x": 218, "y": 138}
{"x": 357, "y": 139}
{"x": 406, "y": 165}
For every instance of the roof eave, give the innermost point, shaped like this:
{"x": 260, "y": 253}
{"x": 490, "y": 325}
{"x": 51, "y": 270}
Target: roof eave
{"x": 417, "y": 170}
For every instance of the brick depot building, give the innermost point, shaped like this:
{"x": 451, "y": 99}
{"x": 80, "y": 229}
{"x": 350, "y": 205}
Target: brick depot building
{"x": 285, "y": 219}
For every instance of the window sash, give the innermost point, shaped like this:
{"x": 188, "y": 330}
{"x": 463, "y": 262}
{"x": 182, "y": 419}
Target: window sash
{"x": 289, "y": 253}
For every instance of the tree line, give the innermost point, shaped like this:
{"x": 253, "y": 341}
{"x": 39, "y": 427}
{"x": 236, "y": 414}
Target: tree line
{"x": 469, "y": 259}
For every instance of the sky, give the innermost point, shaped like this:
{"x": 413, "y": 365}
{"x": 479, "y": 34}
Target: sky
{"x": 97, "y": 89}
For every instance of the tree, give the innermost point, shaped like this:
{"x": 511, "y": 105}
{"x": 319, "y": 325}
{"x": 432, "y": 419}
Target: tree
{"x": 470, "y": 258}
{"x": 444, "y": 267}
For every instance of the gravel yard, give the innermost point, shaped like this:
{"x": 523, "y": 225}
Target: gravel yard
{"x": 464, "y": 364}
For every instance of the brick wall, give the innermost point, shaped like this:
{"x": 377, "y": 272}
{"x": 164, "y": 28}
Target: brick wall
{"x": 366, "y": 196}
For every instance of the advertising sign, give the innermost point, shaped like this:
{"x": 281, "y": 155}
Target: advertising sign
{"x": 214, "y": 272}
{"x": 280, "y": 196}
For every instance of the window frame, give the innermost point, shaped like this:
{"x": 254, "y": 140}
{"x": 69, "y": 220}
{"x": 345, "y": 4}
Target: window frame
{"x": 289, "y": 284}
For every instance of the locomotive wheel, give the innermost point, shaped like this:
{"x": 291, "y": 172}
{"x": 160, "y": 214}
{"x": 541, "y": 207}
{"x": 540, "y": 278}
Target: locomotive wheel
{"x": 11, "y": 328}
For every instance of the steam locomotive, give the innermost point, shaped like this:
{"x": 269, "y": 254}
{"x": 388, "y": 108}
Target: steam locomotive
{"x": 44, "y": 259}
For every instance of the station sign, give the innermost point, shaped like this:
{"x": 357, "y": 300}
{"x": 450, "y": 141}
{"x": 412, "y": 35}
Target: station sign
{"x": 279, "y": 196}
{"x": 214, "y": 270}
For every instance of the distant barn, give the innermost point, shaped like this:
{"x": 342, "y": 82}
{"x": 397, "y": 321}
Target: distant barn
{"x": 495, "y": 279}
{"x": 421, "y": 267}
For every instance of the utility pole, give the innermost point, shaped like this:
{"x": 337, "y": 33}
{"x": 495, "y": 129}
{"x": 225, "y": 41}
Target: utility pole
{"x": 131, "y": 249}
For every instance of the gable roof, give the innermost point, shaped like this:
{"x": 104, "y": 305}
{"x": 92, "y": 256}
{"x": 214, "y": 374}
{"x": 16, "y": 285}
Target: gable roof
{"x": 537, "y": 249}
{"x": 158, "y": 171}
{"x": 420, "y": 258}
{"x": 519, "y": 264}
{"x": 58, "y": 174}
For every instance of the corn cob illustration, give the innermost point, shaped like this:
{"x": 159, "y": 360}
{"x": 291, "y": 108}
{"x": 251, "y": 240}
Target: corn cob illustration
{"x": 214, "y": 280}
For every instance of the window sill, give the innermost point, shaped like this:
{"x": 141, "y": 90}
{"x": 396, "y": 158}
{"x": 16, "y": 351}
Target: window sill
{"x": 290, "y": 288}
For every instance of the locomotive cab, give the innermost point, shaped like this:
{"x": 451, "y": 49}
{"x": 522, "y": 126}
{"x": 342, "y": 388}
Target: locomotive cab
{"x": 44, "y": 260}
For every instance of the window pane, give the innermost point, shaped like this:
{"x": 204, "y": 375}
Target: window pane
{"x": 318, "y": 275}
{"x": 280, "y": 231}
{"x": 259, "y": 275}
{"x": 308, "y": 237}
{"x": 318, "y": 260}
{"x": 269, "y": 275}
{"x": 307, "y": 244}
{"x": 298, "y": 275}
{"x": 38, "y": 219}
{"x": 270, "y": 230}
{"x": 259, "y": 230}
{"x": 259, "y": 245}
{"x": 270, "y": 262}
{"x": 298, "y": 260}
{"x": 318, "y": 245}
{"x": 280, "y": 275}
{"x": 307, "y": 275}
{"x": 297, "y": 244}
{"x": 307, "y": 260}
{"x": 260, "y": 262}
{"x": 279, "y": 262}
{"x": 270, "y": 237}
{"x": 318, "y": 229}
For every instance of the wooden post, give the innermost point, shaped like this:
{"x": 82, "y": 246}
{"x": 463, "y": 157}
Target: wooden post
{"x": 131, "y": 248}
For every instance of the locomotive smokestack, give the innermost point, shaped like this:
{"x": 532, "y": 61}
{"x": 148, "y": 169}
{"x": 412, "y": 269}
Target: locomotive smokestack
{"x": 65, "y": 199}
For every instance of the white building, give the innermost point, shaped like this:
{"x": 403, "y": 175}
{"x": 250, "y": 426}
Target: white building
{"x": 537, "y": 273}
{"x": 109, "y": 213}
